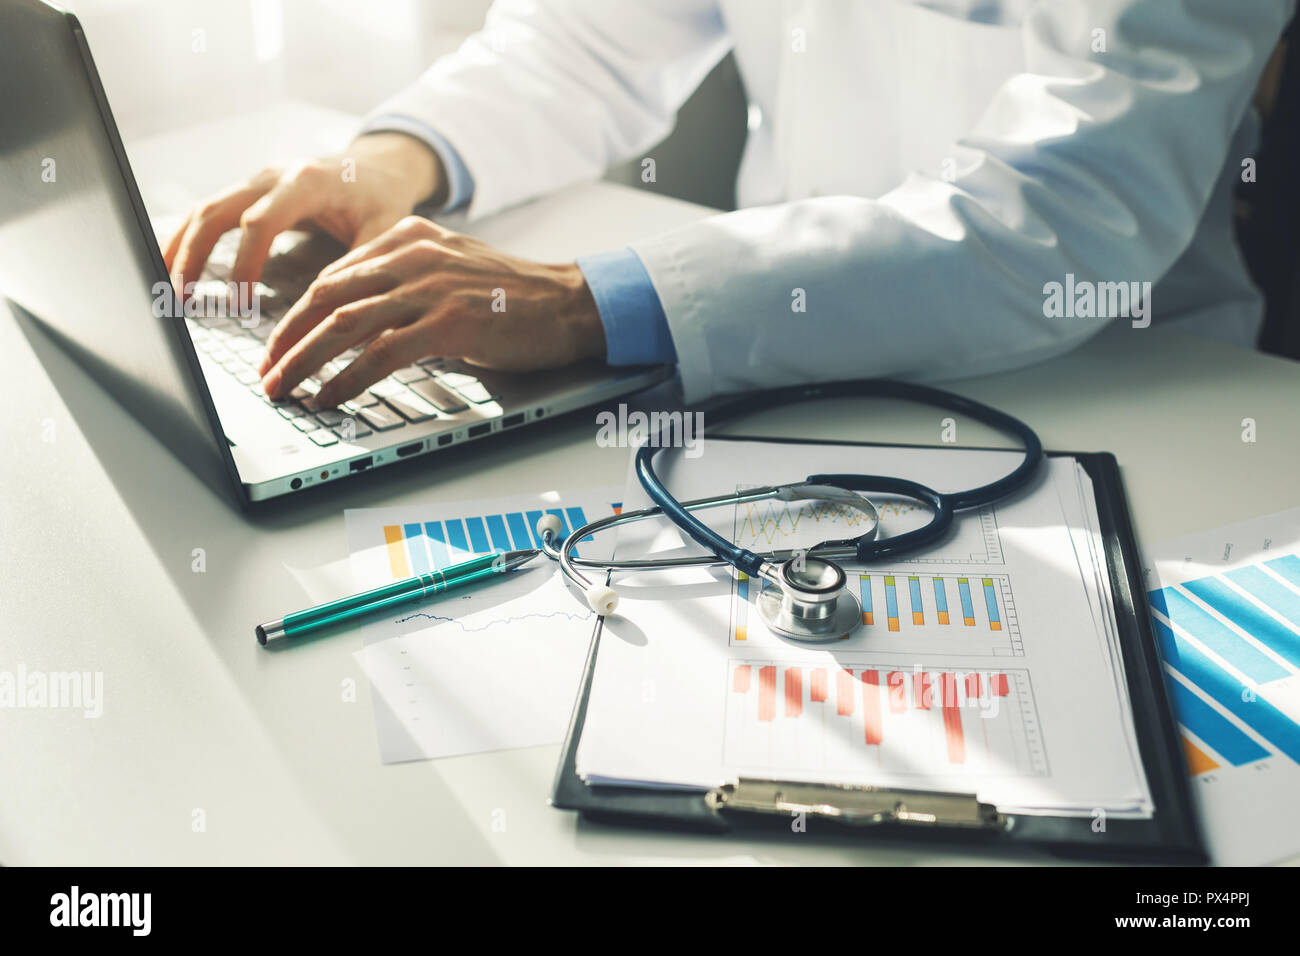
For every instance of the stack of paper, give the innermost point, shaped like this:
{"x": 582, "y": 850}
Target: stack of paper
{"x": 987, "y": 664}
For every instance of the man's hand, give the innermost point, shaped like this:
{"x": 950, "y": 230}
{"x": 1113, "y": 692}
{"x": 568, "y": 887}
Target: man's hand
{"x": 419, "y": 290}
{"x": 354, "y": 197}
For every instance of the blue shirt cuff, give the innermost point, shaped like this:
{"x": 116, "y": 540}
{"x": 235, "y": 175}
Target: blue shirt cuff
{"x": 636, "y": 329}
{"x": 460, "y": 184}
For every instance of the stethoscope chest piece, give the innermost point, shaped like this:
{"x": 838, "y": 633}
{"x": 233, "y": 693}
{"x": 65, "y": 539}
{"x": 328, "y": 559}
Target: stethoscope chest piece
{"x": 805, "y": 599}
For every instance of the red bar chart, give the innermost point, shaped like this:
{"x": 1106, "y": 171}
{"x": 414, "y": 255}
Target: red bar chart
{"x": 903, "y": 720}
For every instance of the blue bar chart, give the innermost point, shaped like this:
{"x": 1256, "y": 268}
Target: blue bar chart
{"x": 911, "y": 612}
{"x": 1231, "y": 643}
{"x": 1225, "y": 608}
{"x": 418, "y": 547}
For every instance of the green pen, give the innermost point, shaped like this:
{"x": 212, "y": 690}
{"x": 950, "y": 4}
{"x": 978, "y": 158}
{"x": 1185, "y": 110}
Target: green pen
{"x": 425, "y": 585}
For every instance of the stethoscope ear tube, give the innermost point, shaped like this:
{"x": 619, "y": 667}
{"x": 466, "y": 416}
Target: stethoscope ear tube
{"x": 936, "y": 528}
{"x": 700, "y": 533}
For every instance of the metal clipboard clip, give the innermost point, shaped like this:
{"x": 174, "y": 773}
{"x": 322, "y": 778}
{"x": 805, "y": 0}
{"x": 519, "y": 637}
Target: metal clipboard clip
{"x": 858, "y": 806}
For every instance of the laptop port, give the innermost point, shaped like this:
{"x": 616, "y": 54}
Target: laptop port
{"x": 477, "y": 430}
{"x": 510, "y": 421}
{"x": 296, "y": 484}
{"x": 445, "y": 439}
{"x": 409, "y": 449}
{"x": 361, "y": 464}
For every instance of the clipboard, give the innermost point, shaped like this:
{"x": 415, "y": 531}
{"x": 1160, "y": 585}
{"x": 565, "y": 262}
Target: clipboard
{"x": 1171, "y": 835}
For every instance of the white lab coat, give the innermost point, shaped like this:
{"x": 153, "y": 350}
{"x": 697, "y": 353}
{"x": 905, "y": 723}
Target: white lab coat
{"x": 922, "y": 168}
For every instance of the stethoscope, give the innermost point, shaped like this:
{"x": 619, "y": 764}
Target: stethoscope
{"x": 803, "y": 595}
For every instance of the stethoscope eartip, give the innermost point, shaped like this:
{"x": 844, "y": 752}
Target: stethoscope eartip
{"x": 551, "y": 524}
{"x": 602, "y": 599}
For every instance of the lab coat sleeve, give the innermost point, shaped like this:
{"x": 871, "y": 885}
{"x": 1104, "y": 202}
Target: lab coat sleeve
{"x": 552, "y": 93}
{"x": 1098, "y": 164}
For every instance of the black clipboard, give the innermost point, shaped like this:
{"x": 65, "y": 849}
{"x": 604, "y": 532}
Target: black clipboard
{"x": 1172, "y": 835}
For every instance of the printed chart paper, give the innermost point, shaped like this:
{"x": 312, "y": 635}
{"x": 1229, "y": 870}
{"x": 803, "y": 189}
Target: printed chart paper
{"x": 986, "y": 664}
{"x": 1226, "y": 608}
{"x": 487, "y": 668}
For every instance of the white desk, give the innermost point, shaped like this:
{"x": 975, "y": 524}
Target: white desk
{"x": 99, "y": 524}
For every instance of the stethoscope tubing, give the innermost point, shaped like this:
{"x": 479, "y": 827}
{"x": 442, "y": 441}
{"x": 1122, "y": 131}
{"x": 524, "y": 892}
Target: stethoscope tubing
{"x": 944, "y": 505}
{"x": 849, "y": 488}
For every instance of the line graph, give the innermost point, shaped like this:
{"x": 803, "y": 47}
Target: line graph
{"x": 773, "y": 521}
{"x": 771, "y": 525}
{"x": 496, "y": 677}
{"x": 491, "y": 623}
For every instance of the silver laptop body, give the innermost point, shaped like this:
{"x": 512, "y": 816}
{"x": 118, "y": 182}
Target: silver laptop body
{"x": 77, "y": 251}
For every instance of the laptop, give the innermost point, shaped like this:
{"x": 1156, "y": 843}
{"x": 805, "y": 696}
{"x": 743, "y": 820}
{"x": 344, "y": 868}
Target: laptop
{"x": 78, "y": 252}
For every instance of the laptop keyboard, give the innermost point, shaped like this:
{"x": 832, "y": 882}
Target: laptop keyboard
{"x": 420, "y": 392}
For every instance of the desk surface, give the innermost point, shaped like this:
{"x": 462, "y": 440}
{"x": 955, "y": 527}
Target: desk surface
{"x": 200, "y": 725}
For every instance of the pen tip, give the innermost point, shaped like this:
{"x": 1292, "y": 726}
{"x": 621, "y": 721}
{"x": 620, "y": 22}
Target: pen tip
{"x": 515, "y": 559}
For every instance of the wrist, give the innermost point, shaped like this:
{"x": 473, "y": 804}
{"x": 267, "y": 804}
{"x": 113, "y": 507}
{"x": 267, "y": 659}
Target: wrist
{"x": 579, "y": 315}
{"x": 417, "y": 166}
